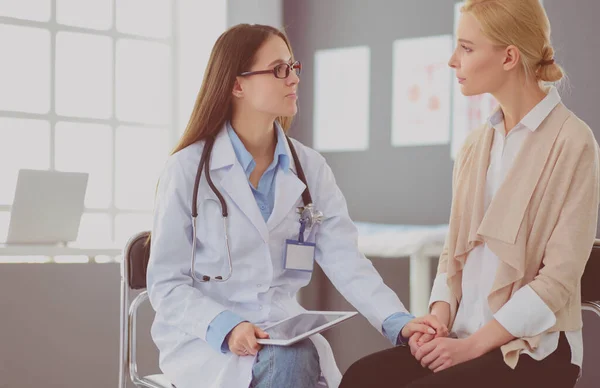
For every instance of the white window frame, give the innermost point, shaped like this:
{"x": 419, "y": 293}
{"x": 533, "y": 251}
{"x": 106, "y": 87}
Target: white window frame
{"x": 52, "y": 117}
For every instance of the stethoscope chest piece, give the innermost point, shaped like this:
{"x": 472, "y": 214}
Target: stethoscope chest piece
{"x": 310, "y": 215}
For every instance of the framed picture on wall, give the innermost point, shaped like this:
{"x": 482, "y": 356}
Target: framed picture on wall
{"x": 421, "y": 91}
{"x": 341, "y": 110}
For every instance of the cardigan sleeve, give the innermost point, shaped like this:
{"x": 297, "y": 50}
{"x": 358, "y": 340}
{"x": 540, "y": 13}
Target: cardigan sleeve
{"x": 459, "y": 163}
{"x": 572, "y": 238}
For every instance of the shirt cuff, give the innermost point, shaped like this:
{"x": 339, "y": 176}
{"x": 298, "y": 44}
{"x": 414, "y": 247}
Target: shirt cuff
{"x": 440, "y": 292}
{"x": 393, "y": 325}
{"x": 525, "y": 314}
{"x": 219, "y": 328}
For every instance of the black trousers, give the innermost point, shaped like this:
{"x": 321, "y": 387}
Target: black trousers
{"x": 397, "y": 367}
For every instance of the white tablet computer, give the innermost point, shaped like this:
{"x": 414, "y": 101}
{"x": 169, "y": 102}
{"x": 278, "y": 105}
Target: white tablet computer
{"x": 303, "y": 325}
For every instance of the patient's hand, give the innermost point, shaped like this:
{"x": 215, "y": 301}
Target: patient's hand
{"x": 417, "y": 340}
{"x": 442, "y": 353}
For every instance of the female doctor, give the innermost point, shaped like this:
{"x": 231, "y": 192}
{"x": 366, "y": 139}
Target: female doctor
{"x": 267, "y": 207}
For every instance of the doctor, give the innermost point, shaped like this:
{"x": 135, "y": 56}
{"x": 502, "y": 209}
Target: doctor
{"x": 250, "y": 256}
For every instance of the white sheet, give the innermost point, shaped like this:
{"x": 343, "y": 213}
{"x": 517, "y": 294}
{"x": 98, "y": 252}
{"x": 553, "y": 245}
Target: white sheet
{"x": 396, "y": 240}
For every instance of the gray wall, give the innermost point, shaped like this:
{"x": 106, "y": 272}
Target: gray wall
{"x": 384, "y": 184}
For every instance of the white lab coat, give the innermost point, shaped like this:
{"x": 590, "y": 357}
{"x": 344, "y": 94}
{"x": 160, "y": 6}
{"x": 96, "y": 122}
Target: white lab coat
{"x": 260, "y": 290}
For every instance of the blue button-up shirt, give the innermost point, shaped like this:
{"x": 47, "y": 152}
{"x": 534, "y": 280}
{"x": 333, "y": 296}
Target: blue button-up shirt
{"x": 265, "y": 192}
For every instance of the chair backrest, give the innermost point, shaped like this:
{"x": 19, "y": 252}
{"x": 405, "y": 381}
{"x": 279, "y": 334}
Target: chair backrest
{"x": 133, "y": 277}
{"x": 590, "y": 282}
{"x": 137, "y": 254}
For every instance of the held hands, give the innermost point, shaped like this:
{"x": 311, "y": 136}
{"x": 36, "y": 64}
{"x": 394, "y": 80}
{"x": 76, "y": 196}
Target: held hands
{"x": 427, "y": 325}
{"x": 242, "y": 339}
{"x": 438, "y": 353}
{"x": 442, "y": 353}
{"x": 440, "y": 310}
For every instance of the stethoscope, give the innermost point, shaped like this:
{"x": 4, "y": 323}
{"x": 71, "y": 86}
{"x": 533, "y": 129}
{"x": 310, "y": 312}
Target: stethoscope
{"x": 308, "y": 215}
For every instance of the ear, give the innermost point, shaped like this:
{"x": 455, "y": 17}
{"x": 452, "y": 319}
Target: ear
{"x": 511, "y": 57}
{"x": 237, "y": 89}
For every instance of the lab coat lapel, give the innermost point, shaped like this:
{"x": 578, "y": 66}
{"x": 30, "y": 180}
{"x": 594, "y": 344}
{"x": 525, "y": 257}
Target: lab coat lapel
{"x": 234, "y": 182}
{"x": 288, "y": 189}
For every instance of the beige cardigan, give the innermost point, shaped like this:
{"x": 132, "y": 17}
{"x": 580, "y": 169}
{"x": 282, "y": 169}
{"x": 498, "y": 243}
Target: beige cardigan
{"x": 541, "y": 223}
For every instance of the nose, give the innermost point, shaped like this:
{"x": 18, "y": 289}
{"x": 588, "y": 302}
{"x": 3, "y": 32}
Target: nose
{"x": 453, "y": 62}
{"x": 293, "y": 78}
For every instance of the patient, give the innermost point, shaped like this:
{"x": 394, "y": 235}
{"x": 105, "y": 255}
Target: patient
{"x": 522, "y": 223}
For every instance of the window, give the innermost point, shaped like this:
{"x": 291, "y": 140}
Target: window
{"x": 103, "y": 87}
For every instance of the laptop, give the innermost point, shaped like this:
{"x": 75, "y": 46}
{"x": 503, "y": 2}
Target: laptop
{"x": 47, "y": 207}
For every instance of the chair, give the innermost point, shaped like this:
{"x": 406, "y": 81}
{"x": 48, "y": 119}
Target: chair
{"x": 133, "y": 277}
{"x": 590, "y": 286}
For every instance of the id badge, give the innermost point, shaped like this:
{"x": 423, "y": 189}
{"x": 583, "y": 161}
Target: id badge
{"x": 299, "y": 256}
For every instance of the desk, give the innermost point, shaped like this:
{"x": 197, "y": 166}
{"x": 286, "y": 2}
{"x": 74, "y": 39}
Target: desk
{"x": 420, "y": 243}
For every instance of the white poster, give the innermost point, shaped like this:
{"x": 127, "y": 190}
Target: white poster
{"x": 468, "y": 113}
{"x": 421, "y": 91}
{"x": 341, "y": 110}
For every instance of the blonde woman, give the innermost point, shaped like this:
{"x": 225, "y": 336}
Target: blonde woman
{"x": 522, "y": 224}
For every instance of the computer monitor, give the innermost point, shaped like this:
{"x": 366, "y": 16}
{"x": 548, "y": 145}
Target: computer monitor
{"x": 47, "y": 207}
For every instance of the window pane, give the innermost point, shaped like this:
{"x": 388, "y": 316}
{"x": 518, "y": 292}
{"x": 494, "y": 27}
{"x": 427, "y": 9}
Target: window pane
{"x": 199, "y": 24}
{"x": 84, "y": 78}
{"x": 23, "y": 144}
{"x": 94, "y": 230}
{"x": 38, "y": 10}
{"x": 126, "y": 225}
{"x": 150, "y": 18}
{"x": 143, "y": 82}
{"x": 140, "y": 157}
{"x": 25, "y": 75}
{"x": 96, "y": 14}
{"x": 87, "y": 148}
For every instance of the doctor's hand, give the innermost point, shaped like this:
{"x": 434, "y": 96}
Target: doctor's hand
{"x": 428, "y": 324}
{"x": 242, "y": 339}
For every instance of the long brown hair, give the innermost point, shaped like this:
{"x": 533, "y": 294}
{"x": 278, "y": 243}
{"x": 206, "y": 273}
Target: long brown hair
{"x": 233, "y": 53}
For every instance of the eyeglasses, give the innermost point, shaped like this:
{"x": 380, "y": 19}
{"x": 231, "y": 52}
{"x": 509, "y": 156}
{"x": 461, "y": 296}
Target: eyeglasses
{"x": 281, "y": 71}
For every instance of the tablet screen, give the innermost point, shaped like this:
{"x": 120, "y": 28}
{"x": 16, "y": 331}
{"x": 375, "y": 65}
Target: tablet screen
{"x": 300, "y": 324}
